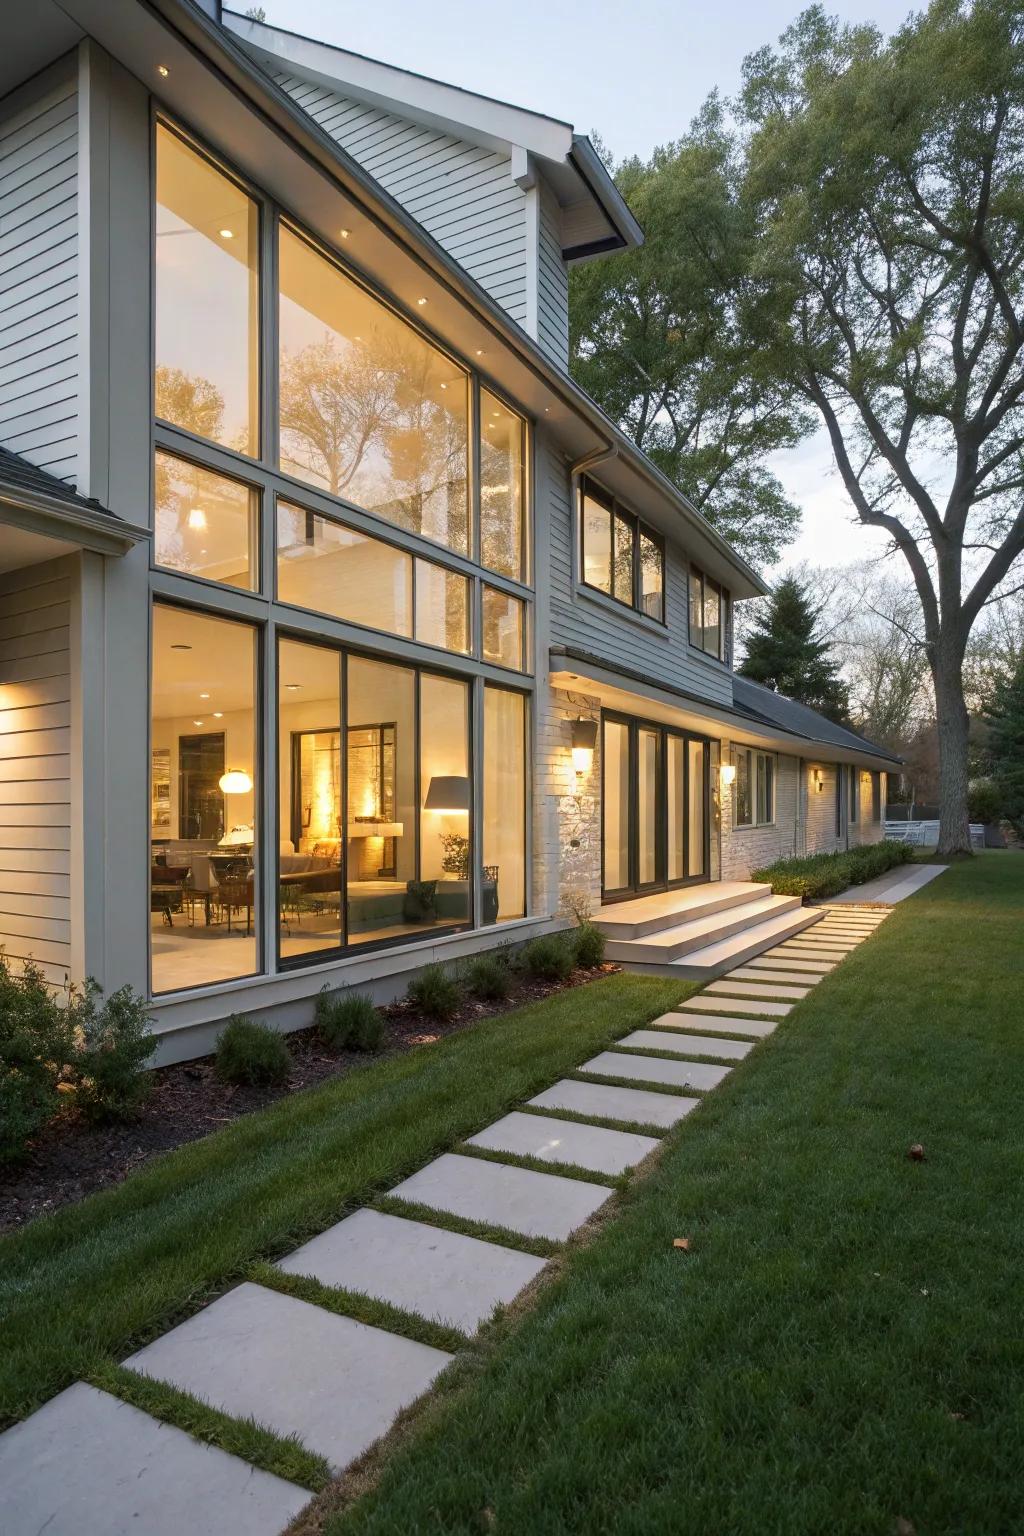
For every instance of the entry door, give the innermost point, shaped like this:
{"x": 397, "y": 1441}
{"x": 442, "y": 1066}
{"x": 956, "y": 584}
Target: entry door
{"x": 655, "y": 807}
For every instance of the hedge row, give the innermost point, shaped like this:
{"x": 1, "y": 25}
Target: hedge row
{"x": 826, "y": 874}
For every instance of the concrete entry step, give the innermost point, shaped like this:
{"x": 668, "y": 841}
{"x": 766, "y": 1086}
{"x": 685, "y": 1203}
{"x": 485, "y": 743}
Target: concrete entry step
{"x": 632, "y": 1106}
{"x": 643, "y": 915}
{"x": 86, "y": 1464}
{"x": 535, "y": 1204}
{"x": 564, "y": 1141}
{"x": 296, "y": 1368}
{"x": 653, "y": 1069}
{"x": 716, "y": 959}
{"x": 757, "y": 1029}
{"x": 444, "y": 1276}
{"x": 688, "y": 1045}
{"x": 697, "y": 933}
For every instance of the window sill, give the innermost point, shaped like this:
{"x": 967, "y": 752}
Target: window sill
{"x": 610, "y": 605}
{"x": 756, "y": 826}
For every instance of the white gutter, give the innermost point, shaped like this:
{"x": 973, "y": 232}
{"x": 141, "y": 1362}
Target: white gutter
{"x": 97, "y": 530}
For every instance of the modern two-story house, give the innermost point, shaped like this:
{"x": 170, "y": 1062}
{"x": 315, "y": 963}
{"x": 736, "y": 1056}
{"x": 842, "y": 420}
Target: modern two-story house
{"x": 340, "y": 630}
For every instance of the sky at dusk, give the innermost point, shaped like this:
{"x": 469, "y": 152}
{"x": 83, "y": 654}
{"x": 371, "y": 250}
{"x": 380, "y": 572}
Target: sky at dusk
{"x": 634, "y": 74}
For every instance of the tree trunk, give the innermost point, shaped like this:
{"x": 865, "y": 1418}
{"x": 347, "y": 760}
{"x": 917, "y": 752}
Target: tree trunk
{"x": 952, "y": 720}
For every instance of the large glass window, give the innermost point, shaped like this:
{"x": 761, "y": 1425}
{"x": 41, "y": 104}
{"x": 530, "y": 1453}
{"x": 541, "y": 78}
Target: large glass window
{"x": 207, "y": 299}
{"x": 502, "y": 489}
{"x": 337, "y": 570}
{"x": 203, "y": 797}
{"x": 619, "y": 556}
{"x": 504, "y": 843}
{"x": 309, "y": 863}
{"x": 369, "y": 410}
{"x": 442, "y": 607}
{"x": 503, "y": 629}
{"x": 709, "y": 606}
{"x": 445, "y": 846}
{"x": 384, "y": 899}
{"x": 754, "y": 793}
{"x": 206, "y": 524}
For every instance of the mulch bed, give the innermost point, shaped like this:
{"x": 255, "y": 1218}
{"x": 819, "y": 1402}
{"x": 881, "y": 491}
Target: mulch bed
{"x": 71, "y": 1159}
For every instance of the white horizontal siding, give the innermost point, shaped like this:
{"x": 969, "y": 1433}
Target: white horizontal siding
{"x": 463, "y": 194}
{"x": 39, "y": 345}
{"x": 663, "y": 655}
{"x": 552, "y": 283}
{"x": 35, "y": 783}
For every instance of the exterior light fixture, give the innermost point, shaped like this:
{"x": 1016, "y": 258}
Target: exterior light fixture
{"x": 197, "y": 520}
{"x": 235, "y": 782}
{"x": 226, "y": 234}
{"x": 162, "y": 70}
{"x": 344, "y": 233}
{"x": 819, "y": 781}
{"x": 727, "y": 773}
{"x": 584, "y": 740}
{"x": 447, "y": 792}
{"x": 421, "y": 302}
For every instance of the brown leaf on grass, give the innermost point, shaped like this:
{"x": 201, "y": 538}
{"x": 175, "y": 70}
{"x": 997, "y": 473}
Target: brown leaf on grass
{"x": 904, "y": 1527}
{"x": 681, "y": 1242}
{"x": 916, "y": 1153}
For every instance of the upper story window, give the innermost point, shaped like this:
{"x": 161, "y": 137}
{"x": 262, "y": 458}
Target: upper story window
{"x": 369, "y": 410}
{"x": 207, "y": 299}
{"x": 620, "y": 556}
{"x": 502, "y": 488}
{"x": 709, "y": 615}
{"x": 206, "y": 524}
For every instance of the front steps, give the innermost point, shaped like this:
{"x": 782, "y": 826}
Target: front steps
{"x": 702, "y": 931}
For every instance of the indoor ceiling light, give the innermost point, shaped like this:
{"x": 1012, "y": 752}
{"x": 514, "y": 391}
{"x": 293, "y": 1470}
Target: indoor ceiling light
{"x": 218, "y": 714}
{"x": 421, "y": 301}
{"x": 344, "y": 233}
{"x": 197, "y": 519}
{"x": 235, "y": 782}
{"x": 197, "y": 722}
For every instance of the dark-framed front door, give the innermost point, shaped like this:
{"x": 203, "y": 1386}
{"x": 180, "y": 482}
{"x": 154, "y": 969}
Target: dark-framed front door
{"x": 655, "y": 807}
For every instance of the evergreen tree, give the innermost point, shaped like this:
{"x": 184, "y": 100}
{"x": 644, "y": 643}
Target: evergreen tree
{"x": 785, "y": 654}
{"x": 1004, "y": 715}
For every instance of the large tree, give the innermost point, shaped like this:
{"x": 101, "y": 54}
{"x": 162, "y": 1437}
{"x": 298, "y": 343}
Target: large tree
{"x": 885, "y": 179}
{"x": 657, "y": 339}
{"x": 786, "y": 653}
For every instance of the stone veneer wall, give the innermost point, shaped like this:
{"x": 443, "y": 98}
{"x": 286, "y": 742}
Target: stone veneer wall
{"x": 566, "y": 806}
{"x": 747, "y": 848}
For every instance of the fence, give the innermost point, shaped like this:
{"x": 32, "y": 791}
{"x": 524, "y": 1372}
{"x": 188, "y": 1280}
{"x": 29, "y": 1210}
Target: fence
{"x": 925, "y": 834}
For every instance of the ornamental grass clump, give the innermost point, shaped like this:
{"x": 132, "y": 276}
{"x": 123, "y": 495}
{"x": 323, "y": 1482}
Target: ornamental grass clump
{"x": 348, "y": 1021}
{"x": 435, "y": 993}
{"x": 251, "y": 1055}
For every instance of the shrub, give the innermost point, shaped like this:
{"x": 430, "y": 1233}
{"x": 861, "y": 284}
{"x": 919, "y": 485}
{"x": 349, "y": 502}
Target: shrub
{"x": 548, "y": 958}
{"x": 115, "y": 1045}
{"x": 820, "y": 875}
{"x": 984, "y": 801}
{"x": 348, "y": 1021}
{"x": 252, "y": 1054}
{"x": 488, "y": 978}
{"x": 435, "y": 993}
{"x": 589, "y": 945}
{"x": 37, "y": 1039}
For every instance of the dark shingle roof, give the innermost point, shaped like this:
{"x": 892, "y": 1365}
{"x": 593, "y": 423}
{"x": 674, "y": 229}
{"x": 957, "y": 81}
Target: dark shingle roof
{"x": 768, "y": 708}
{"x": 17, "y": 474}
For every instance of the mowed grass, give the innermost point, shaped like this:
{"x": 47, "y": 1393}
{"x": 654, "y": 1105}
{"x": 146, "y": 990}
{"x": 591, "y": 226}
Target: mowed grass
{"x": 81, "y": 1288}
{"x": 841, "y": 1349}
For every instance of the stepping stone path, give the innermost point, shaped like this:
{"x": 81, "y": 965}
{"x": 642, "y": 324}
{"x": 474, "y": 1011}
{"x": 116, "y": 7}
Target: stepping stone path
{"x": 87, "y": 1464}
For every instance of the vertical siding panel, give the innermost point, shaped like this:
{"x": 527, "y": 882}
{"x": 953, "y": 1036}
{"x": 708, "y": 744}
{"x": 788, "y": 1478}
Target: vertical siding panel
{"x": 39, "y": 383}
{"x": 553, "y": 284}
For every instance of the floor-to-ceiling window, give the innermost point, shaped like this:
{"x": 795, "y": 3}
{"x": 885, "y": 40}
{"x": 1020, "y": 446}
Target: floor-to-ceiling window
{"x": 344, "y": 508}
{"x": 203, "y": 799}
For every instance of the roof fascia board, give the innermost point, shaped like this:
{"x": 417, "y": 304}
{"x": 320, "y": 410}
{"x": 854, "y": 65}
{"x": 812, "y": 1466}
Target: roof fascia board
{"x": 54, "y": 519}
{"x": 464, "y": 114}
{"x": 569, "y": 666}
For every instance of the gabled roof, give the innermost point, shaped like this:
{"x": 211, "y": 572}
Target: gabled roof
{"x": 595, "y": 216}
{"x": 766, "y": 707}
{"x": 33, "y": 499}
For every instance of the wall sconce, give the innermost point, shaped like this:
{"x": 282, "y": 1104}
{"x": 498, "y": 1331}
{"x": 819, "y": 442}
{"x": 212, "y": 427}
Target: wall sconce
{"x": 235, "y": 782}
{"x": 819, "y": 781}
{"x": 584, "y": 740}
{"x": 727, "y": 773}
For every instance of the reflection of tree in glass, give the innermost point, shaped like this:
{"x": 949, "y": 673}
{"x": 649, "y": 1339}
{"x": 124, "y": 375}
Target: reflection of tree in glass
{"x": 500, "y": 477}
{"x": 189, "y": 401}
{"x": 364, "y": 421}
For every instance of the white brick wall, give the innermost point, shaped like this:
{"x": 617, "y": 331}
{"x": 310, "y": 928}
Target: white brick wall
{"x": 747, "y": 848}
{"x": 567, "y": 805}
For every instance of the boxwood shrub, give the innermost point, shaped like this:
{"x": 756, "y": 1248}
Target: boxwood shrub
{"x": 826, "y": 874}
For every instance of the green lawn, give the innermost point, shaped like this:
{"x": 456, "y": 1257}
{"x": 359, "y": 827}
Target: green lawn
{"x": 842, "y": 1349}
{"x": 81, "y": 1288}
